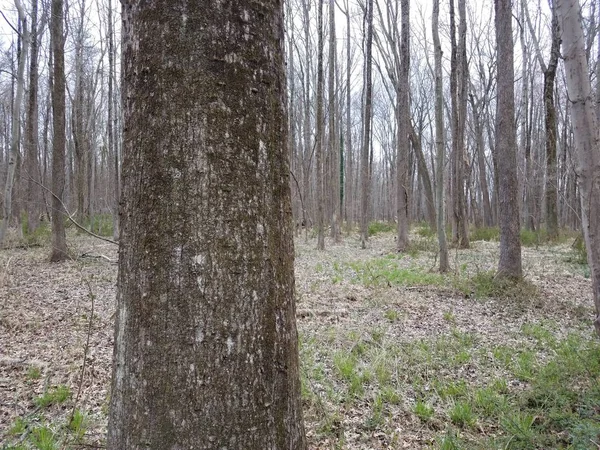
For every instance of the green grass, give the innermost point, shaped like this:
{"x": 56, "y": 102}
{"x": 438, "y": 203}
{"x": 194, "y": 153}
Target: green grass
{"x": 542, "y": 391}
{"x": 462, "y": 415}
{"x": 100, "y": 224}
{"x": 487, "y": 284}
{"x": 484, "y": 234}
{"x": 387, "y": 272}
{"x": 40, "y": 236}
{"x": 34, "y": 373}
{"x": 424, "y": 230}
{"x": 423, "y": 411}
{"x": 381, "y": 227}
{"x": 53, "y": 396}
{"x": 43, "y": 438}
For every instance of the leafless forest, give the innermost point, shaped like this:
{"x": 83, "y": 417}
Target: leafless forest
{"x": 440, "y": 161}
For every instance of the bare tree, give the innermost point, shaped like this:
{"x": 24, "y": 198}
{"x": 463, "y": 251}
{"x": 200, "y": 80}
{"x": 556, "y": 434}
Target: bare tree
{"x": 320, "y": 133}
{"x": 509, "y": 265}
{"x": 367, "y": 118}
{"x": 549, "y": 71}
{"x": 404, "y": 127}
{"x": 334, "y": 149}
{"x": 33, "y": 197}
{"x": 587, "y": 137}
{"x": 440, "y": 143}
{"x": 59, "y": 240}
{"x": 205, "y": 338}
{"x": 13, "y": 156}
{"x": 458, "y": 90}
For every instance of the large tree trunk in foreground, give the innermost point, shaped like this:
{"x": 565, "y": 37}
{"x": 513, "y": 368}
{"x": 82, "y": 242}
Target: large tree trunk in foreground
{"x": 587, "y": 137}
{"x": 206, "y": 350}
{"x": 509, "y": 264}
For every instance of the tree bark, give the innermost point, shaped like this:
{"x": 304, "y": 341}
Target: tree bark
{"x": 333, "y": 129}
{"x": 16, "y": 122}
{"x": 509, "y": 264}
{"x": 206, "y": 350}
{"x": 587, "y": 136}
{"x": 33, "y": 196}
{"x": 366, "y": 144}
{"x": 440, "y": 143}
{"x": 59, "y": 240}
{"x": 403, "y": 139}
{"x": 319, "y": 132}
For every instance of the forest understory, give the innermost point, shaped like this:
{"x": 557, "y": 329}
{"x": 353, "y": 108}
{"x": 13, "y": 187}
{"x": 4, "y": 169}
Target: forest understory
{"x": 393, "y": 353}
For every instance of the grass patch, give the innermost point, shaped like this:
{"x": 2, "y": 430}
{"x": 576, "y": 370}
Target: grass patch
{"x": 40, "y": 236}
{"x": 485, "y": 234}
{"x": 423, "y": 411}
{"x": 424, "y": 230}
{"x": 377, "y": 227}
{"x": 487, "y": 284}
{"x": 53, "y": 396}
{"x": 387, "y": 272}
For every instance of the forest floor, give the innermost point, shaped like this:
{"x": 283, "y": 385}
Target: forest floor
{"x": 393, "y": 354}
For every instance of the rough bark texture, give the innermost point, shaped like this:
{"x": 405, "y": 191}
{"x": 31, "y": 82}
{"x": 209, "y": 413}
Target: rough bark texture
{"x": 205, "y": 339}
{"x": 509, "y": 264}
{"x": 33, "y": 199}
{"x": 587, "y": 136}
{"x": 440, "y": 145}
{"x": 365, "y": 163}
{"x": 59, "y": 239}
{"x": 403, "y": 143}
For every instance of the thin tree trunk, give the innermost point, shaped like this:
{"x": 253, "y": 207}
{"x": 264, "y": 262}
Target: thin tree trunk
{"x": 59, "y": 240}
{"x": 440, "y": 143}
{"x": 403, "y": 139}
{"x": 367, "y": 116}
{"x": 33, "y": 197}
{"x": 417, "y": 146}
{"x": 16, "y": 122}
{"x": 333, "y": 132}
{"x": 509, "y": 264}
{"x": 319, "y": 133}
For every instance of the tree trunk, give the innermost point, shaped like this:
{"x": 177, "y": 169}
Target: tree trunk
{"x": 206, "y": 350}
{"x": 333, "y": 133}
{"x": 113, "y": 151}
{"x": 403, "y": 141}
{"x": 59, "y": 240}
{"x": 440, "y": 143}
{"x": 458, "y": 89}
{"x": 509, "y": 264}
{"x": 587, "y": 136}
{"x": 319, "y": 133}
{"x": 349, "y": 155}
{"x": 33, "y": 197}
{"x": 417, "y": 146}
{"x": 366, "y": 145}
{"x": 16, "y": 122}
{"x": 551, "y": 133}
